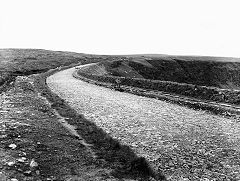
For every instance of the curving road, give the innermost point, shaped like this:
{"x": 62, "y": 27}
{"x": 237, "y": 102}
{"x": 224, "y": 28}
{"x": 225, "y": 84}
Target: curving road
{"x": 182, "y": 142}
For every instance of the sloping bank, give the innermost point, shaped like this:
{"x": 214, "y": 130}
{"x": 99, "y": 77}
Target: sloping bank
{"x": 220, "y": 101}
{"x": 123, "y": 162}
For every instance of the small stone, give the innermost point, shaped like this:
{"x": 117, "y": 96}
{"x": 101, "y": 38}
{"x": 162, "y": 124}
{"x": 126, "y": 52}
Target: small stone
{"x": 14, "y": 179}
{"x": 10, "y": 163}
{"x": 184, "y": 179}
{"x": 22, "y": 154}
{"x": 33, "y": 163}
{"x": 22, "y": 159}
{"x": 13, "y": 146}
{"x": 27, "y": 173}
{"x": 3, "y": 136}
{"x": 19, "y": 169}
{"x": 52, "y": 178}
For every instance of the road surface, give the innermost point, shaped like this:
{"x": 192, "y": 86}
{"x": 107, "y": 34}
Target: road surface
{"x": 182, "y": 142}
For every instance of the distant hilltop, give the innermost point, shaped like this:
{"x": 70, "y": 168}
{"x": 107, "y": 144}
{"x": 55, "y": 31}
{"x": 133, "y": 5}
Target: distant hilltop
{"x": 222, "y": 72}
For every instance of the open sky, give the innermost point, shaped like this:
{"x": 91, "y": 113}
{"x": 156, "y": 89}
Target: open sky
{"x": 179, "y": 27}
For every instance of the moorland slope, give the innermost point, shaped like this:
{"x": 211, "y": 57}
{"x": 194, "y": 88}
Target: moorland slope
{"x": 221, "y": 72}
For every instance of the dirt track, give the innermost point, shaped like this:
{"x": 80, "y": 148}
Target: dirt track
{"x": 182, "y": 142}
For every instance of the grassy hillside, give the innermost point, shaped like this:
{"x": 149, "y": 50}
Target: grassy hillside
{"x": 28, "y": 61}
{"x": 208, "y": 71}
{"x": 222, "y": 72}
{"x": 24, "y": 60}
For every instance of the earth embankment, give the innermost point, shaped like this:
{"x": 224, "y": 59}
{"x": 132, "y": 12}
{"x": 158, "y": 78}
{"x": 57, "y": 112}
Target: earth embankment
{"x": 211, "y": 80}
{"x": 221, "y": 72}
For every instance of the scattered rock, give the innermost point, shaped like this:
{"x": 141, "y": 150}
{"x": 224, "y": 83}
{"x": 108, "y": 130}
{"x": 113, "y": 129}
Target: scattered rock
{"x": 13, "y": 146}
{"x": 33, "y": 163}
{"x": 14, "y": 179}
{"x": 52, "y": 178}
{"x": 27, "y": 173}
{"x": 3, "y": 136}
{"x": 22, "y": 159}
{"x": 22, "y": 154}
{"x": 10, "y": 163}
{"x": 19, "y": 169}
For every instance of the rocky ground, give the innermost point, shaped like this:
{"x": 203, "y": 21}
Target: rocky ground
{"x": 182, "y": 143}
{"x": 32, "y": 140}
{"x": 37, "y": 143}
{"x": 36, "y": 125}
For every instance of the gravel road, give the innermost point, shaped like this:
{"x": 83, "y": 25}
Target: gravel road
{"x": 182, "y": 142}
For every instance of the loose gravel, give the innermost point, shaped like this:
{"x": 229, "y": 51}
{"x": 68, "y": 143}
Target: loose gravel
{"x": 183, "y": 143}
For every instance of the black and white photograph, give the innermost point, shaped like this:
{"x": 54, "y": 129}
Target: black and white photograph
{"x": 119, "y": 90}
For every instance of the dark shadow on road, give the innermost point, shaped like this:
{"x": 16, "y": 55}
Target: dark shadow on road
{"x": 109, "y": 152}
